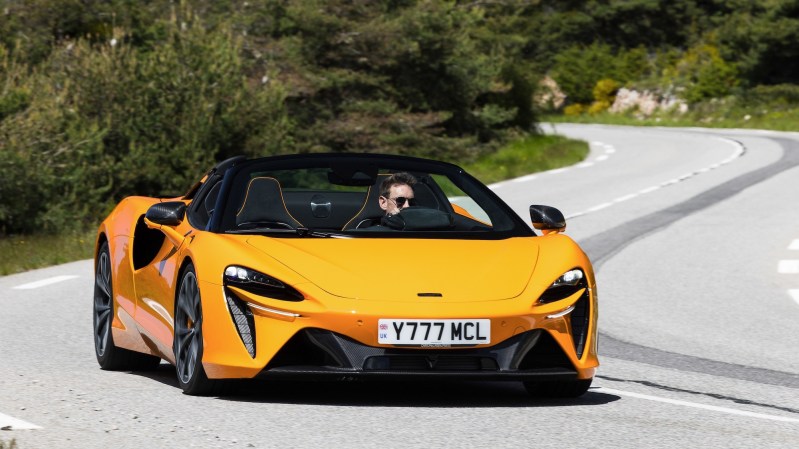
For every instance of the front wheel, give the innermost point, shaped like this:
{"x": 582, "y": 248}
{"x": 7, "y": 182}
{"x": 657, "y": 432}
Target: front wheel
{"x": 558, "y": 389}
{"x": 188, "y": 339}
{"x": 110, "y": 356}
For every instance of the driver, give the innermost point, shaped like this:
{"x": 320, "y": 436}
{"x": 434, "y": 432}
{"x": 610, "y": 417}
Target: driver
{"x": 396, "y": 193}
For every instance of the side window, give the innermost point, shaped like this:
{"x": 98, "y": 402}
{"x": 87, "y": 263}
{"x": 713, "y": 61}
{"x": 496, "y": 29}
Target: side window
{"x": 203, "y": 206}
{"x": 462, "y": 203}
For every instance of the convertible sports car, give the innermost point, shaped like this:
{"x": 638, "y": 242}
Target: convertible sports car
{"x": 290, "y": 266}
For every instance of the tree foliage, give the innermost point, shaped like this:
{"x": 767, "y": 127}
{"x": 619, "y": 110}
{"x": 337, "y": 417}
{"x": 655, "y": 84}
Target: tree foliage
{"x": 111, "y": 98}
{"x": 104, "y": 98}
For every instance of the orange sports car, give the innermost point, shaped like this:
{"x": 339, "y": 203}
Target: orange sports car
{"x": 343, "y": 266}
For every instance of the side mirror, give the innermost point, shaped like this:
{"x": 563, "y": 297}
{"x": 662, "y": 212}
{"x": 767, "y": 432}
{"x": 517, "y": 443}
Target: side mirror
{"x": 169, "y": 213}
{"x": 163, "y": 216}
{"x": 547, "y": 219}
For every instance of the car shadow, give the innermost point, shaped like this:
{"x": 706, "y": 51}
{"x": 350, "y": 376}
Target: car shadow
{"x": 443, "y": 394}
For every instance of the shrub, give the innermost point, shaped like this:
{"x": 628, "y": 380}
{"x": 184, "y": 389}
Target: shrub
{"x": 703, "y": 74}
{"x": 574, "y": 109}
{"x": 104, "y": 122}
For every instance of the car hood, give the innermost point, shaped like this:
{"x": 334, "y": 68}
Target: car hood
{"x": 405, "y": 269}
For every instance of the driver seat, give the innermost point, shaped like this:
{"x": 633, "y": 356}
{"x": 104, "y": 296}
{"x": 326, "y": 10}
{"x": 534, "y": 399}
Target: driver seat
{"x": 371, "y": 207}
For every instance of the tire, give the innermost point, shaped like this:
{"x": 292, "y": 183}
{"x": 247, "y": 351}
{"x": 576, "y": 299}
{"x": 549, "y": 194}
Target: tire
{"x": 560, "y": 389}
{"x": 109, "y": 356}
{"x": 188, "y": 338}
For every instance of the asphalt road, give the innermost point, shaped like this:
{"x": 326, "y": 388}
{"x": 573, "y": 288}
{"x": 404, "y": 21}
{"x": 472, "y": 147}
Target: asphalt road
{"x": 695, "y": 234}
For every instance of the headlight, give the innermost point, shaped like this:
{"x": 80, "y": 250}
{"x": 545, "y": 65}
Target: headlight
{"x": 260, "y": 284}
{"x": 566, "y": 285}
{"x": 570, "y": 278}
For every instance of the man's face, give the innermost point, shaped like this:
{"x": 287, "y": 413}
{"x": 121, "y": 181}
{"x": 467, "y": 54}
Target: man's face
{"x": 391, "y": 204}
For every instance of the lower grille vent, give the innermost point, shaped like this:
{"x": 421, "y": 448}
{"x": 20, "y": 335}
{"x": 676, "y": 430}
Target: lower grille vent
{"x": 243, "y": 319}
{"x": 579, "y": 322}
{"x": 429, "y": 363}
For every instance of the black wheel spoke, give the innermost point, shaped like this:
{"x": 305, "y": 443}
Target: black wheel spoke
{"x": 186, "y": 339}
{"x": 102, "y": 303}
{"x": 192, "y": 352}
{"x": 102, "y": 284}
{"x": 102, "y": 315}
{"x": 188, "y": 343}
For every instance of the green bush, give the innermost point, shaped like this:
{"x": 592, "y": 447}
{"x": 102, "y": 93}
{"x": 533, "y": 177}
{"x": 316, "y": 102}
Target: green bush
{"x": 703, "y": 74}
{"x": 107, "y": 121}
{"x": 578, "y": 69}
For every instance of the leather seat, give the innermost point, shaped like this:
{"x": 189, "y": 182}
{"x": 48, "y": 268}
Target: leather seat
{"x": 264, "y": 206}
{"x": 371, "y": 206}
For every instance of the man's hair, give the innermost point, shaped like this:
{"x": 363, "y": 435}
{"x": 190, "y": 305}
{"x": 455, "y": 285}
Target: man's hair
{"x": 394, "y": 179}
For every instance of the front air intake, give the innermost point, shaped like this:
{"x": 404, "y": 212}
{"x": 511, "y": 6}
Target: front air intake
{"x": 579, "y": 321}
{"x": 243, "y": 319}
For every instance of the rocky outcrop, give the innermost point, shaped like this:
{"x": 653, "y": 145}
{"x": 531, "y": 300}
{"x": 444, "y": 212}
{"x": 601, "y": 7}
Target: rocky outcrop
{"x": 646, "y": 102}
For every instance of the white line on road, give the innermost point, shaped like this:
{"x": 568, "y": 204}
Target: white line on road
{"x": 525, "y": 178}
{"x": 738, "y": 152}
{"x": 11, "y": 423}
{"x": 795, "y": 295}
{"x": 625, "y": 198}
{"x": 43, "y": 282}
{"x": 788, "y": 267}
{"x": 648, "y": 190}
{"x": 714, "y": 408}
{"x": 794, "y": 245}
{"x": 599, "y": 207}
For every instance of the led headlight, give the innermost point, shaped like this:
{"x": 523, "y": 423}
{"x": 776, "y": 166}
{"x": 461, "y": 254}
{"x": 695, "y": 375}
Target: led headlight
{"x": 260, "y": 284}
{"x": 569, "y": 278}
{"x": 566, "y": 285}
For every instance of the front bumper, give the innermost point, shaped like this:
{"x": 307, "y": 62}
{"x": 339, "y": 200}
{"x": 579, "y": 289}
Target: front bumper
{"x": 318, "y": 353}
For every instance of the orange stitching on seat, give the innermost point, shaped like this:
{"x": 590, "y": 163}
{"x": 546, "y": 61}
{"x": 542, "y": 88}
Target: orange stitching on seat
{"x": 282, "y": 200}
{"x": 365, "y": 202}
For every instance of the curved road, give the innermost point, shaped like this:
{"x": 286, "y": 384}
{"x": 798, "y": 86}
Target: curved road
{"x": 695, "y": 236}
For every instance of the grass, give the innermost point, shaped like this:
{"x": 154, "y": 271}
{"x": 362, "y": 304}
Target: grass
{"x": 777, "y": 119}
{"x": 26, "y": 252}
{"x": 528, "y": 155}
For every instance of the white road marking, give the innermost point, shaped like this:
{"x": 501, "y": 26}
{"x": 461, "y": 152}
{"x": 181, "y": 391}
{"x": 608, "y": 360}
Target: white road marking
{"x": 739, "y": 151}
{"x": 625, "y": 198}
{"x": 713, "y": 408}
{"x": 11, "y": 423}
{"x": 43, "y": 282}
{"x": 795, "y": 295}
{"x": 794, "y": 245}
{"x": 599, "y": 207}
{"x": 584, "y": 164}
{"x": 525, "y": 178}
{"x": 788, "y": 267}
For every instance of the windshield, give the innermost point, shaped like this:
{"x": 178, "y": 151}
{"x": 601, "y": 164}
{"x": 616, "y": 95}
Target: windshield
{"x": 352, "y": 196}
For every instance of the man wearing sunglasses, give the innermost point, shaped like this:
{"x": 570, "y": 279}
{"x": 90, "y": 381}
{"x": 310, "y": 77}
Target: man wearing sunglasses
{"x": 396, "y": 193}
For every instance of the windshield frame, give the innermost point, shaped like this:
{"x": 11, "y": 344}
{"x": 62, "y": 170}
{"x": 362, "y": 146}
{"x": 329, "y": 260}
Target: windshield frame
{"x": 228, "y": 201}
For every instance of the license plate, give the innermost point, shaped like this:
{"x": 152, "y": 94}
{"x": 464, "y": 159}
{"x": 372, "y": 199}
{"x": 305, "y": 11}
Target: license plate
{"x": 434, "y": 333}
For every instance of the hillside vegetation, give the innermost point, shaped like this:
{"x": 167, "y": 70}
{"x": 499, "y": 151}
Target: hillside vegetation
{"x": 100, "y": 99}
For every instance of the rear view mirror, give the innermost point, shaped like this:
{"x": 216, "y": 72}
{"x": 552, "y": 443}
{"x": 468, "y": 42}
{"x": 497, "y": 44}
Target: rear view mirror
{"x": 547, "y": 219}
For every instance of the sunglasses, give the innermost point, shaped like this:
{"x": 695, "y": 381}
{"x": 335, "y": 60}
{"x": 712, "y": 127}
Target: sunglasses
{"x": 401, "y": 200}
